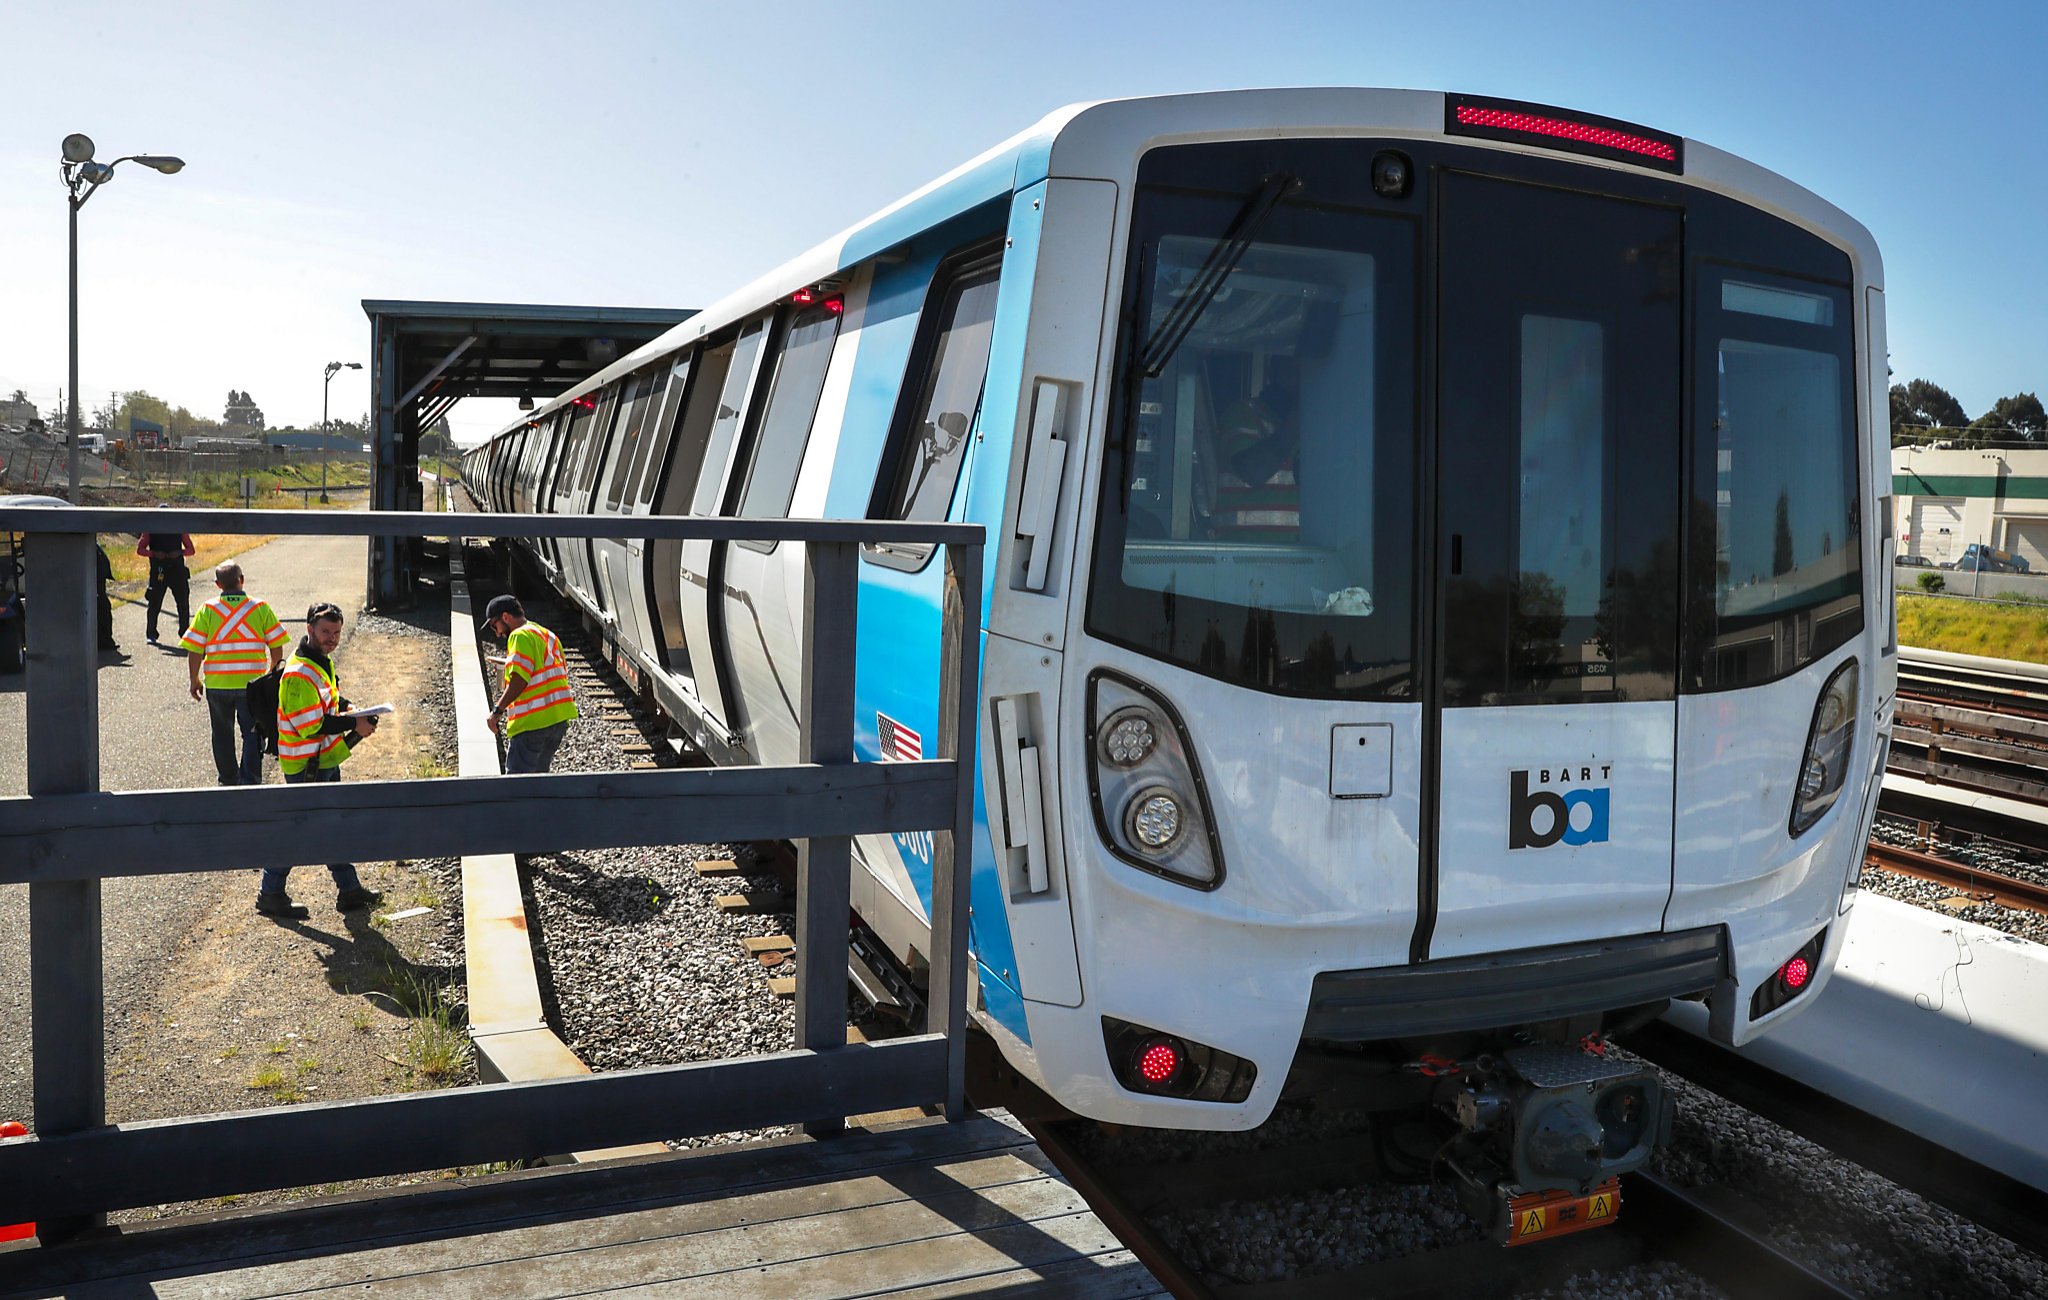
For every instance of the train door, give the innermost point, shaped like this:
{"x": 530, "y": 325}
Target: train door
{"x": 575, "y": 444}
{"x": 703, "y": 563}
{"x": 615, "y": 557}
{"x": 637, "y": 495}
{"x": 1558, "y": 478}
{"x": 933, "y": 431}
{"x": 702, "y": 377}
{"x": 764, "y": 582}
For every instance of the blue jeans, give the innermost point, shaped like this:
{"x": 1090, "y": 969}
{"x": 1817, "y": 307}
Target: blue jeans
{"x": 532, "y": 751}
{"x": 344, "y": 873}
{"x": 229, "y": 711}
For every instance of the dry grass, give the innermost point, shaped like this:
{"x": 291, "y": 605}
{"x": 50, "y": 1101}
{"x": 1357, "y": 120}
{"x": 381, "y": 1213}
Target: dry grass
{"x": 2006, "y": 629}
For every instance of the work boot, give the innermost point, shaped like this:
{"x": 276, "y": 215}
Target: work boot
{"x": 281, "y": 906}
{"x": 354, "y": 900}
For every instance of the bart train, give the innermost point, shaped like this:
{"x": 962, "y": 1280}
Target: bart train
{"x": 1437, "y": 595}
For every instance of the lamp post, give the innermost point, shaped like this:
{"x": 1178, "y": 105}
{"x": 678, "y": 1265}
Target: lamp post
{"x": 332, "y": 367}
{"x": 82, "y": 176}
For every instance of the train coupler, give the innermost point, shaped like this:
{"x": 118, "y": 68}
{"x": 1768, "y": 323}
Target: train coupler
{"x": 1546, "y": 1135}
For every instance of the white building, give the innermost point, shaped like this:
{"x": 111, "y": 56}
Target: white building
{"x": 1948, "y": 497}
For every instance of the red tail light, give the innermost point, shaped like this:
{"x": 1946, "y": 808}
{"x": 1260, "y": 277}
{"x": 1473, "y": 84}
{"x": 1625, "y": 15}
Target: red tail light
{"x": 1159, "y": 1060}
{"x": 1795, "y": 973}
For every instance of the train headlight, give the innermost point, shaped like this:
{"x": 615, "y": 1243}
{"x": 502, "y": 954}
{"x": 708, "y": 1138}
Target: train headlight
{"x": 1829, "y": 743}
{"x": 1150, "y": 805}
{"x": 1128, "y": 736}
{"x": 1153, "y": 818}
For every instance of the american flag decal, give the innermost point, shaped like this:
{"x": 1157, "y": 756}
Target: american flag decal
{"x": 899, "y": 743}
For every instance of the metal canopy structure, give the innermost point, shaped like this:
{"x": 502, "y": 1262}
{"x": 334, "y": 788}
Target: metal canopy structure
{"x": 430, "y": 355}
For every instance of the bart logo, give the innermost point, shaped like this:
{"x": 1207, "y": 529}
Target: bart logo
{"x": 1562, "y": 821}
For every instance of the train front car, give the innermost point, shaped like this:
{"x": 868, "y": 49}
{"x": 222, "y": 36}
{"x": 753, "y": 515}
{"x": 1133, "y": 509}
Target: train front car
{"x": 1442, "y": 614}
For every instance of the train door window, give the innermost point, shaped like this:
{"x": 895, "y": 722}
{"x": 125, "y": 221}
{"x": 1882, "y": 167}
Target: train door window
{"x": 792, "y": 407}
{"x": 644, "y": 390}
{"x": 1560, "y": 462}
{"x": 928, "y": 444}
{"x": 654, "y": 447}
{"x": 725, "y": 424}
{"x": 1774, "y": 430}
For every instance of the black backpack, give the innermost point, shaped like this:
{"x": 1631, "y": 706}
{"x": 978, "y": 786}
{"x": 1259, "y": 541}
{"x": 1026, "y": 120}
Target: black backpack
{"x": 262, "y": 699}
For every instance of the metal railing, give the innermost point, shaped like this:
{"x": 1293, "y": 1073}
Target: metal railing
{"x": 66, "y": 836}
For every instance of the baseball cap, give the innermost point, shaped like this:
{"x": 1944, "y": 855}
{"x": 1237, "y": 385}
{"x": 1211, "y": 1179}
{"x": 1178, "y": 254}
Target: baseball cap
{"x": 499, "y": 605}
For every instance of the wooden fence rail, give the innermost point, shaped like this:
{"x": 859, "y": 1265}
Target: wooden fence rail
{"x": 66, "y": 835}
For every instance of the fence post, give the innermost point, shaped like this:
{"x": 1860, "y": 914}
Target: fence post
{"x": 824, "y": 863}
{"x": 953, "y": 854}
{"x": 66, "y": 996}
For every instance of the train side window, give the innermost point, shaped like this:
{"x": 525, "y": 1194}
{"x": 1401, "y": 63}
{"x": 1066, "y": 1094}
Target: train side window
{"x": 645, "y": 387}
{"x": 598, "y": 437}
{"x": 928, "y": 445}
{"x": 792, "y": 407}
{"x": 1775, "y": 469}
{"x": 725, "y": 424}
{"x": 580, "y": 410}
{"x": 654, "y": 446}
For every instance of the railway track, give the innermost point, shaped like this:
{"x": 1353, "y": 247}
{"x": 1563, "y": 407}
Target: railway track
{"x": 1965, "y": 877}
{"x": 1975, "y": 727}
{"x": 1663, "y": 1224}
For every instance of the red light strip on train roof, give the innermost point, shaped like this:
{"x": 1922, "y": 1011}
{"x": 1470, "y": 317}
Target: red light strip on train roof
{"x": 1564, "y": 129}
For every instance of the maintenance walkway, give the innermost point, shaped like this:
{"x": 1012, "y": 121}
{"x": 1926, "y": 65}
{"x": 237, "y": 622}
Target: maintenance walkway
{"x": 923, "y": 1209}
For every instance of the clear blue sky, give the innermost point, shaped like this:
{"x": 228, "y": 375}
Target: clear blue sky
{"x": 661, "y": 154}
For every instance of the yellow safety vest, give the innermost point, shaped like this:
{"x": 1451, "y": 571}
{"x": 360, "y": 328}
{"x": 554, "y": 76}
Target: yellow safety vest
{"x": 535, "y": 653}
{"x": 235, "y": 633}
{"x": 305, "y": 696}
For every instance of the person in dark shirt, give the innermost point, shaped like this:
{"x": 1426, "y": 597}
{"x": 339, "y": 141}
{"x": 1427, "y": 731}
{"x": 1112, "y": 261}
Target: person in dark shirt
{"x": 167, "y": 572}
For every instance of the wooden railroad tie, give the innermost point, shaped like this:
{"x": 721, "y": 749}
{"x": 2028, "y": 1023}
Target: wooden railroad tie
{"x": 784, "y": 987}
{"x": 754, "y": 900}
{"x": 716, "y": 867}
{"x": 771, "y": 951}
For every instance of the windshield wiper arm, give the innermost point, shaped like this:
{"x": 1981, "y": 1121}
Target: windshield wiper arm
{"x": 1223, "y": 259}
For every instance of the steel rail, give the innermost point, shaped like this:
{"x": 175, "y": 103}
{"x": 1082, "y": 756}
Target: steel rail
{"x": 1660, "y": 1221}
{"x": 2008, "y": 891}
{"x": 1117, "y": 1213}
{"x": 1682, "y": 1227}
{"x": 1985, "y": 1196}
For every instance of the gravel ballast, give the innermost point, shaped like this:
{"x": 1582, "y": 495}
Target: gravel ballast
{"x": 639, "y": 966}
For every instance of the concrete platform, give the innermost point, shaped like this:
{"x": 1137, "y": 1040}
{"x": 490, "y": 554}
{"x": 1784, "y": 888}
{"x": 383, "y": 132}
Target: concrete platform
{"x": 926, "y": 1209}
{"x": 1930, "y": 1023}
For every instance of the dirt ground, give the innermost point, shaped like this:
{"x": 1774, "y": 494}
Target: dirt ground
{"x": 257, "y": 1012}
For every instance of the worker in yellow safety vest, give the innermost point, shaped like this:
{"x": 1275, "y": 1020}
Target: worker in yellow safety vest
{"x": 537, "y": 704}
{"x": 226, "y": 647}
{"x": 315, "y": 733}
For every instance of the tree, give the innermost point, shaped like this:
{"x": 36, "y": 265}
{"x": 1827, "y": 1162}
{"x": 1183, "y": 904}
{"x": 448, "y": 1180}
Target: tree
{"x": 1781, "y": 538}
{"x": 1924, "y": 406}
{"x": 2017, "y": 417}
{"x": 20, "y": 395}
{"x": 108, "y": 417}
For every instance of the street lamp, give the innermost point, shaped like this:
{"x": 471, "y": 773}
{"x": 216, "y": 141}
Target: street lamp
{"x": 332, "y": 367}
{"x": 82, "y": 176}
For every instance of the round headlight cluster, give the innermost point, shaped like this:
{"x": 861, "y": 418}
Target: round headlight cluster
{"x": 1154, "y": 818}
{"x": 1128, "y": 737}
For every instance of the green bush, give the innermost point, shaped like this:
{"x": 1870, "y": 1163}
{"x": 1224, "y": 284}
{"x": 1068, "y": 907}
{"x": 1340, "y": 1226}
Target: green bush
{"x": 1932, "y": 582}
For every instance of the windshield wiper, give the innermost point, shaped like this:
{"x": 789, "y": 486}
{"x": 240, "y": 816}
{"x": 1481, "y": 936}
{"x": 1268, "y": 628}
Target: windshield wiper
{"x": 1223, "y": 259}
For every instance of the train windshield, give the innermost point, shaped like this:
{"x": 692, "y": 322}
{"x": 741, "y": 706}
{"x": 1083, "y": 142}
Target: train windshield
{"x": 1257, "y": 520}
